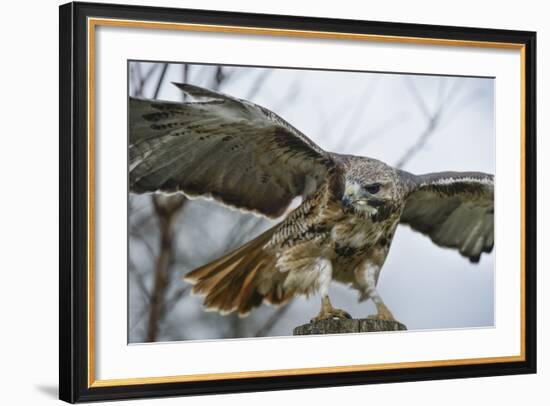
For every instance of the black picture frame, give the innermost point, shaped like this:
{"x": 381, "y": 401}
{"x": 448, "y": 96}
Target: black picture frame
{"x": 74, "y": 199}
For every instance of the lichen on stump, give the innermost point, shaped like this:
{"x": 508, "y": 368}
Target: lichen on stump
{"x": 338, "y": 326}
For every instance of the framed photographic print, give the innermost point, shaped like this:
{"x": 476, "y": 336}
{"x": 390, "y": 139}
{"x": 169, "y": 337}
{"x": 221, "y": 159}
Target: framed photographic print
{"x": 257, "y": 202}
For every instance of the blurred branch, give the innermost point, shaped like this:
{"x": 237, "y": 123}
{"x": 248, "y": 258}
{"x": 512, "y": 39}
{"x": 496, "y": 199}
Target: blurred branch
{"x": 360, "y": 110}
{"x": 420, "y": 142}
{"x": 166, "y": 207}
{"x": 379, "y": 131}
{"x": 273, "y": 320}
{"x": 257, "y": 84}
{"x": 138, "y": 319}
{"x": 467, "y": 101}
{"x": 143, "y": 79}
{"x": 433, "y": 119}
{"x": 174, "y": 299}
{"x": 160, "y": 81}
{"x": 139, "y": 277}
{"x": 420, "y": 102}
{"x": 330, "y": 117}
{"x": 169, "y": 305}
{"x": 144, "y": 241}
{"x": 220, "y": 75}
{"x": 235, "y": 326}
{"x": 139, "y": 208}
{"x": 185, "y": 77}
{"x": 140, "y": 282}
{"x": 290, "y": 96}
{"x": 243, "y": 227}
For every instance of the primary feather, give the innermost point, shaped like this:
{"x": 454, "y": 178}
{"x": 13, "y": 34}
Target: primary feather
{"x": 456, "y": 210}
{"x": 217, "y": 146}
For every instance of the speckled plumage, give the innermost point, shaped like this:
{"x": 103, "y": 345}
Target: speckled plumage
{"x": 249, "y": 158}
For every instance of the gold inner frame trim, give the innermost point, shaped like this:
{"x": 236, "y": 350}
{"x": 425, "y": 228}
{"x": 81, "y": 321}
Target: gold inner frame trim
{"x": 94, "y": 22}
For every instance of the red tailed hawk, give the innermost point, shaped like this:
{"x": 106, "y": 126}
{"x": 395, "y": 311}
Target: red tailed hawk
{"x": 247, "y": 157}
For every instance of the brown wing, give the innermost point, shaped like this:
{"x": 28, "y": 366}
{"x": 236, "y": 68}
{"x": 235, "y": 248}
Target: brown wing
{"x": 214, "y": 145}
{"x": 455, "y": 209}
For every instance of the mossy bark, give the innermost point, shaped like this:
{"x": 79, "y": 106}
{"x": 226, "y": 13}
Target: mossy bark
{"x": 337, "y": 326}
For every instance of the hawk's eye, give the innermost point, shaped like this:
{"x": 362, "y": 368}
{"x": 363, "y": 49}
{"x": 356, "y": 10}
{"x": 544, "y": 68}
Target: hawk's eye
{"x": 373, "y": 188}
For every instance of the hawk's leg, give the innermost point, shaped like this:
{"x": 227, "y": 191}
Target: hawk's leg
{"x": 366, "y": 278}
{"x": 382, "y": 312}
{"x": 327, "y": 312}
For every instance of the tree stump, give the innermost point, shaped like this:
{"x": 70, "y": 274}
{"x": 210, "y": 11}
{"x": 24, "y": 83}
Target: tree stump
{"x": 338, "y": 326}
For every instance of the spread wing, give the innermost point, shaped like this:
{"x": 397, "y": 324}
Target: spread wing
{"x": 217, "y": 146}
{"x": 455, "y": 209}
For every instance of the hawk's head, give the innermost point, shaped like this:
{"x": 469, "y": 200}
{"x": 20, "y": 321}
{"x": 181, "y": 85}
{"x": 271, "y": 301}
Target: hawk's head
{"x": 372, "y": 188}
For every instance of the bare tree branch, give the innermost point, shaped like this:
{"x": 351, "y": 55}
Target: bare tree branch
{"x": 420, "y": 102}
{"x": 466, "y": 101}
{"x": 144, "y": 241}
{"x": 143, "y": 79}
{"x": 273, "y": 320}
{"x": 290, "y": 96}
{"x": 360, "y": 110}
{"x": 160, "y": 81}
{"x": 330, "y": 117}
{"x": 257, "y": 84}
{"x": 185, "y": 77}
{"x": 175, "y": 298}
{"x": 220, "y": 76}
{"x": 433, "y": 119}
{"x": 139, "y": 279}
{"x": 379, "y": 131}
{"x": 166, "y": 207}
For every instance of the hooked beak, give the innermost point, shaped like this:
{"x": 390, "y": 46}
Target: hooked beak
{"x": 346, "y": 201}
{"x": 351, "y": 198}
{"x": 350, "y": 201}
{"x": 351, "y": 195}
